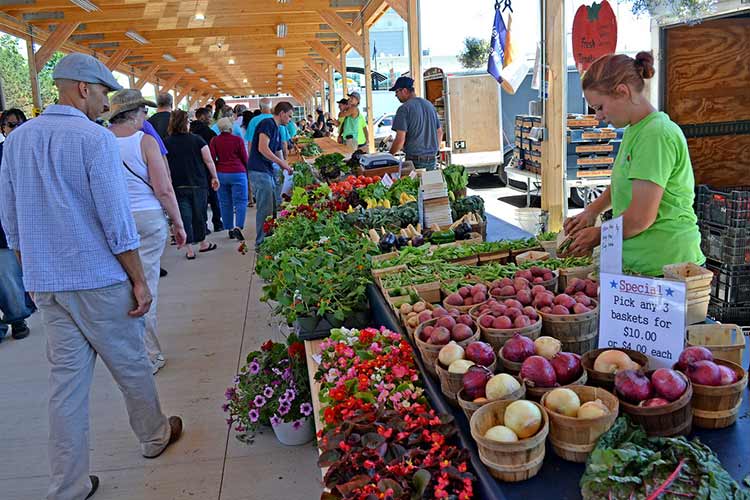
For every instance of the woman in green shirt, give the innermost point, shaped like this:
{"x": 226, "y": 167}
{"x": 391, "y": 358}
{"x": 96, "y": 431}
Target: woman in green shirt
{"x": 652, "y": 185}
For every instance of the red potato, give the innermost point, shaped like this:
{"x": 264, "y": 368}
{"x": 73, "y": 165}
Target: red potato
{"x": 446, "y": 322}
{"x": 465, "y": 319}
{"x": 538, "y": 279}
{"x": 440, "y": 336}
{"x": 496, "y": 291}
{"x": 461, "y": 332}
{"x": 454, "y": 299}
{"x": 546, "y": 309}
{"x": 537, "y": 289}
{"x": 521, "y": 321}
{"x": 426, "y": 332}
{"x": 521, "y": 283}
{"x": 548, "y": 276}
{"x": 513, "y": 303}
{"x": 439, "y": 312}
{"x": 560, "y": 309}
{"x": 513, "y": 312}
{"x": 499, "y": 309}
{"x": 506, "y": 282}
{"x": 424, "y": 316}
{"x": 531, "y": 313}
{"x": 502, "y": 323}
{"x": 486, "y": 320}
{"x": 468, "y": 301}
{"x": 507, "y": 291}
{"x": 524, "y": 297}
{"x": 580, "y": 309}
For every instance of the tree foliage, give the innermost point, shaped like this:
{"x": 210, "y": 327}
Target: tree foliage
{"x": 475, "y": 52}
{"x": 14, "y": 71}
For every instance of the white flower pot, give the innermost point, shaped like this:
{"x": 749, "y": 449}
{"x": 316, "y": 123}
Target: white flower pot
{"x": 288, "y": 435}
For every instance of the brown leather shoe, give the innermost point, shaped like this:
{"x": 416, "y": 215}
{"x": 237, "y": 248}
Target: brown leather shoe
{"x": 175, "y": 427}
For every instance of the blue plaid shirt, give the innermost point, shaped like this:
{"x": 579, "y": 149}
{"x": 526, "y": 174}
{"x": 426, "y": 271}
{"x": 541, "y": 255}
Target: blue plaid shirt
{"x": 64, "y": 202}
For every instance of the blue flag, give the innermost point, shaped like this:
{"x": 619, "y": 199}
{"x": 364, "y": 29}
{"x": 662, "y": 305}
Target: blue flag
{"x": 497, "y": 47}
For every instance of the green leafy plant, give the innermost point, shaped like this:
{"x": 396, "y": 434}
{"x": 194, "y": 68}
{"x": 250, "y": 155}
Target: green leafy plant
{"x": 456, "y": 178}
{"x": 475, "y": 52}
{"x": 303, "y": 175}
{"x": 311, "y": 149}
{"x": 689, "y": 11}
{"x": 331, "y": 166}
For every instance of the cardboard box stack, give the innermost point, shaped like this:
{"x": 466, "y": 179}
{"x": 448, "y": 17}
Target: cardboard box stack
{"x": 435, "y": 206}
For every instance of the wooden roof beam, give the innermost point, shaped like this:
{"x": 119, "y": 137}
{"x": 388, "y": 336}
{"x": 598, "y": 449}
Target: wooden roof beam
{"x": 54, "y": 42}
{"x": 400, "y": 6}
{"x": 320, "y": 70}
{"x": 325, "y": 53}
{"x": 147, "y": 74}
{"x": 338, "y": 24}
{"x": 170, "y": 83}
{"x": 117, "y": 58}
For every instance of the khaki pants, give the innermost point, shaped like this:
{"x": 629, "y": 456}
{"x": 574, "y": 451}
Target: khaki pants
{"x": 152, "y": 229}
{"x": 81, "y": 325}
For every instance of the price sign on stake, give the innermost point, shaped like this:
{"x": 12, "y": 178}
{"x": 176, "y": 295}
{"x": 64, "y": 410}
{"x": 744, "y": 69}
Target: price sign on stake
{"x": 610, "y": 260}
{"x": 387, "y": 181}
{"x": 643, "y": 314}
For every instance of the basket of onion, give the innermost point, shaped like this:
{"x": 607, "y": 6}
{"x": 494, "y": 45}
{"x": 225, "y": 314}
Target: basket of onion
{"x": 510, "y": 437}
{"x": 574, "y": 320}
{"x": 502, "y": 321}
{"x": 481, "y": 387}
{"x": 658, "y": 400}
{"x": 466, "y": 297}
{"x": 717, "y": 387}
{"x": 550, "y": 367}
{"x": 432, "y": 335}
{"x": 454, "y": 361}
{"x": 578, "y": 415}
{"x": 601, "y": 365}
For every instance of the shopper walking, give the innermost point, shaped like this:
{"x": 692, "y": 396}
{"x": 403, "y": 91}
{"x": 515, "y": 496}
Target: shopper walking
{"x": 218, "y": 107}
{"x": 193, "y": 176}
{"x": 15, "y": 303}
{"x": 417, "y": 126}
{"x": 88, "y": 282}
{"x": 160, "y": 119}
{"x": 230, "y": 155}
{"x": 151, "y": 195}
{"x": 200, "y": 126}
{"x": 264, "y": 153}
{"x": 354, "y": 127}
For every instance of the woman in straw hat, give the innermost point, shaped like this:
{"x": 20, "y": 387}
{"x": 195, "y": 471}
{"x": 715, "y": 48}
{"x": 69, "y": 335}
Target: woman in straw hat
{"x": 151, "y": 194}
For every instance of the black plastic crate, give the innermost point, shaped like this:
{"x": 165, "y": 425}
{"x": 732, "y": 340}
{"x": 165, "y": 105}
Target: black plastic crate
{"x": 731, "y": 284}
{"x": 729, "y": 313}
{"x": 724, "y": 206}
{"x": 727, "y": 245}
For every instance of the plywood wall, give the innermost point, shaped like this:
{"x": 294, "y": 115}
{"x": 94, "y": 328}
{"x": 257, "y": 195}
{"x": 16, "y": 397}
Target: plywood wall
{"x": 475, "y": 113}
{"x": 708, "y": 81}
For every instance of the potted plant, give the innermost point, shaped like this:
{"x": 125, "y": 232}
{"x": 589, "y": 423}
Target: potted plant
{"x": 273, "y": 389}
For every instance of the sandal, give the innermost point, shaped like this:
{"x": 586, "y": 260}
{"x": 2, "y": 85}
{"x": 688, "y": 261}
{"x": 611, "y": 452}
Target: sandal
{"x": 190, "y": 257}
{"x": 209, "y": 248}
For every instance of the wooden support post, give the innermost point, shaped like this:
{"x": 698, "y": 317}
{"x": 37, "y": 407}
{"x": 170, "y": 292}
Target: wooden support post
{"x": 340, "y": 26}
{"x": 415, "y": 47}
{"x": 36, "y": 94}
{"x": 183, "y": 93}
{"x": 117, "y": 58}
{"x": 316, "y": 68}
{"x": 323, "y": 51}
{"x": 131, "y": 79}
{"x": 553, "y": 148}
{"x": 146, "y": 75}
{"x": 342, "y": 70}
{"x": 331, "y": 93}
{"x": 323, "y": 94}
{"x": 368, "y": 87}
{"x": 55, "y": 41}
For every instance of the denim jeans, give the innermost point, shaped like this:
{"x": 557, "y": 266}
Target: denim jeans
{"x": 278, "y": 178}
{"x": 427, "y": 165}
{"x": 15, "y": 303}
{"x": 233, "y": 199}
{"x": 192, "y": 203}
{"x": 264, "y": 189}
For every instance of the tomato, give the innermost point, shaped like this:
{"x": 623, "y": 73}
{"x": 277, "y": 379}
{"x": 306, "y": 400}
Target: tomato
{"x": 594, "y": 33}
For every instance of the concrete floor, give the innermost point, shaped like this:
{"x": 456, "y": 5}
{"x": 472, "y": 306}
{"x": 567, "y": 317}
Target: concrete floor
{"x": 210, "y": 318}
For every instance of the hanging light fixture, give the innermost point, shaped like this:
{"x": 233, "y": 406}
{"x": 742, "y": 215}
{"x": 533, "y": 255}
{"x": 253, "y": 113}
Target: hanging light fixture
{"x": 169, "y": 57}
{"x": 85, "y": 5}
{"x": 231, "y": 61}
{"x": 280, "y": 66}
{"x": 281, "y": 30}
{"x": 280, "y": 52}
{"x": 189, "y": 71}
{"x": 200, "y": 17}
{"x": 136, "y": 37}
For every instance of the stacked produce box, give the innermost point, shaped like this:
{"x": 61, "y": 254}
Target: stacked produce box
{"x": 528, "y": 152}
{"x": 591, "y": 150}
{"x": 724, "y": 218}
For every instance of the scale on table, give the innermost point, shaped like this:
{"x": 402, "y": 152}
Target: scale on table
{"x": 378, "y": 160}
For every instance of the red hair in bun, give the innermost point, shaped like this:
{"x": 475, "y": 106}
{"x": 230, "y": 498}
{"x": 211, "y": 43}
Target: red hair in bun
{"x": 607, "y": 72}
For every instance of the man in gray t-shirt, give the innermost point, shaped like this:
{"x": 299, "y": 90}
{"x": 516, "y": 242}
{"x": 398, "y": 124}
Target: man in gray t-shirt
{"x": 417, "y": 126}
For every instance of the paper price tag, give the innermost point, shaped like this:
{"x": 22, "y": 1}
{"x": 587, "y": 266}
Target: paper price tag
{"x": 643, "y": 314}
{"x": 610, "y": 260}
{"x": 387, "y": 181}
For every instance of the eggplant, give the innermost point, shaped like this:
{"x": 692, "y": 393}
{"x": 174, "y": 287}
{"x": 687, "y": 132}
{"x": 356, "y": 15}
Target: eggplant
{"x": 402, "y": 241}
{"x": 427, "y": 234}
{"x": 387, "y": 242}
{"x": 417, "y": 241}
{"x": 463, "y": 231}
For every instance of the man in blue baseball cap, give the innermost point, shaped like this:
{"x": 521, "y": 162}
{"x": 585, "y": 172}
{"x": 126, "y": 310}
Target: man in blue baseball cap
{"x": 417, "y": 126}
{"x": 65, "y": 210}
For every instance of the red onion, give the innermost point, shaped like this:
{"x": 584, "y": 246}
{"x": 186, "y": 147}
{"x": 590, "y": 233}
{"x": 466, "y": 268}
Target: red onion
{"x": 480, "y": 353}
{"x": 518, "y": 348}
{"x": 693, "y": 354}
{"x": 668, "y": 384}
{"x": 475, "y": 380}
{"x": 567, "y": 367}
{"x": 728, "y": 376}
{"x": 653, "y": 402}
{"x": 704, "y": 372}
{"x": 539, "y": 372}
{"x": 633, "y": 386}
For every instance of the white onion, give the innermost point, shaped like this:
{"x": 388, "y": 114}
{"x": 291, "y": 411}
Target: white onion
{"x": 612, "y": 361}
{"x": 593, "y": 409}
{"x": 450, "y": 353}
{"x": 523, "y": 417}
{"x": 501, "y": 386}
{"x": 547, "y": 347}
{"x": 460, "y": 366}
{"x": 501, "y": 434}
{"x": 563, "y": 401}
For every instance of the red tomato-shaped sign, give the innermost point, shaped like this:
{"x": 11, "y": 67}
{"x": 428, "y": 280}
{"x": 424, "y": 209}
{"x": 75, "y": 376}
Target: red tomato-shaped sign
{"x": 594, "y": 33}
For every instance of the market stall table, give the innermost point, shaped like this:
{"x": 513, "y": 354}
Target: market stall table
{"x": 559, "y": 478}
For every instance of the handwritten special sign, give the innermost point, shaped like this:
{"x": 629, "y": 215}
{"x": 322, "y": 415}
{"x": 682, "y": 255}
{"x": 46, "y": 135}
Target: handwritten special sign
{"x": 643, "y": 314}
{"x": 610, "y": 260}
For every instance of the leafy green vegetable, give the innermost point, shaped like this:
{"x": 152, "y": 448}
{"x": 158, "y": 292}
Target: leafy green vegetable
{"x": 331, "y": 166}
{"x": 469, "y": 204}
{"x": 456, "y": 178}
{"x": 626, "y": 463}
{"x": 311, "y": 149}
{"x": 403, "y": 185}
{"x": 547, "y": 236}
{"x": 303, "y": 175}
